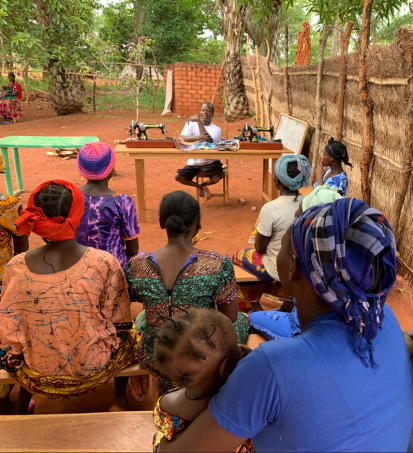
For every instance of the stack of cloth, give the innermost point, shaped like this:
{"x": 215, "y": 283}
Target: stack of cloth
{"x": 222, "y": 145}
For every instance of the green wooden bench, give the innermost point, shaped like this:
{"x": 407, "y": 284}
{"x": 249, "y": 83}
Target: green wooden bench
{"x": 34, "y": 142}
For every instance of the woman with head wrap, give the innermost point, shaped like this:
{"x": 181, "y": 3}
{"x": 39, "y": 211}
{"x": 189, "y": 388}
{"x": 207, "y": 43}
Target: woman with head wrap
{"x": 65, "y": 319}
{"x": 109, "y": 221}
{"x": 335, "y": 153}
{"x": 291, "y": 173}
{"x": 345, "y": 382}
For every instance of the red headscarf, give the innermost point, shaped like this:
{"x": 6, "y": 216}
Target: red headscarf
{"x": 56, "y": 229}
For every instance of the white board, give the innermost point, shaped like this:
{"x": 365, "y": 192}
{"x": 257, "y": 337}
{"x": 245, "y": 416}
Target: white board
{"x": 292, "y": 132}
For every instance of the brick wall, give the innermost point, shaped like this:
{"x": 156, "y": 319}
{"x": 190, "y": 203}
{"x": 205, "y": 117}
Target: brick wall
{"x": 194, "y": 84}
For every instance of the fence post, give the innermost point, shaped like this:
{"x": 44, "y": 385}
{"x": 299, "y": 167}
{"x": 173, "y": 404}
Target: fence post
{"x": 94, "y": 86}
{"x": 345, "y": 41}
{"x": 287, "y": 96}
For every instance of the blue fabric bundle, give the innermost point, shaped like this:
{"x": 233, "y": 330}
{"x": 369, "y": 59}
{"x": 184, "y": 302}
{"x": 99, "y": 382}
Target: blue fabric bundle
{"x": 301, "y": 180}
{"x": 347, "y": 252}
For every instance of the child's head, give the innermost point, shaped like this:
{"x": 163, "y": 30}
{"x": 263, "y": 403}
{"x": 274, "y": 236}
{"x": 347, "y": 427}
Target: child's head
{"x": 198, "y": 349}
{"x": 180, "y": 214}
{"x": 96, "y": 161}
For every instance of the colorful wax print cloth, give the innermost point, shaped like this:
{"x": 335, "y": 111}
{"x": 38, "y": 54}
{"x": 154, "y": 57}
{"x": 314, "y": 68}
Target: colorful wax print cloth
{"x": 10, "y": 105}
{"x": 66, "y": 387}
{"x": 172, "y": 427}
{"x": 69, "y": 323}
{"x": 251, "y": 261}
{"x": 338, "y": 182}
{"x": 206, "y": 280}
{"x": 222, "y": 145}
{"x": 107, "y": 222}
{"x": 9, "y": 213}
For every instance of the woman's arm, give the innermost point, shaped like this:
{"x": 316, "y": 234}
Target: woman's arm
{"x": 230, "y": 310}
{"x": 261, "y": 243}
{"x": 203, "y": 434}
{"x": 20, "y": 244}
{"x": 132, "y": 247}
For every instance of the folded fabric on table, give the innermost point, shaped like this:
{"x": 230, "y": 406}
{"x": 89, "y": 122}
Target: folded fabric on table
{"x": 222, "y": 145}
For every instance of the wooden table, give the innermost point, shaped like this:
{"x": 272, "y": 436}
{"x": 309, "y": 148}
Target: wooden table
{"x": 139, "y": 155}
{"x": 34, "y": 142}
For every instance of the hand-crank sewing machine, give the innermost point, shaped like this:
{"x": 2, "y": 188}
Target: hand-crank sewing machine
{"x": 249, "y": 138}
{"x": 141, "y": 140}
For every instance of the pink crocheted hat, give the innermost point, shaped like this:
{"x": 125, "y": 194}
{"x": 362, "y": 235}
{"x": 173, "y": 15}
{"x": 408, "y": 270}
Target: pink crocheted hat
{"x": 95, "y": 160}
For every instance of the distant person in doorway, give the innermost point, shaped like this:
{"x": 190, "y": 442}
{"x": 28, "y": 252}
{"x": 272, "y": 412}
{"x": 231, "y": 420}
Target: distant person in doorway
{"x": 10, "y": 104}
{"x": 201, "y": 128}
{"x": 335, "y": 154}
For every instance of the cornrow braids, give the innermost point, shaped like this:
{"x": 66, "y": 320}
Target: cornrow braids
{"x": 55, "y": 201}
{"x": 194, "y": 329}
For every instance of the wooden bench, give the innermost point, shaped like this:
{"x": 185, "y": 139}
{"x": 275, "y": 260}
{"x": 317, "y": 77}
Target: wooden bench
{"x": 132, "y": 370}
{"x": 242, "y": 276}
{"x": 98, "y": 432}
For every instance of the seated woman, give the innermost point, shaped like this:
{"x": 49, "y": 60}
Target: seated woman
{"x": 203, "y": 369}
{"x": 10, "y": 104}
{"x": 335, "y": 153}
{"x": 290, "y": 174}
{"x": 65, "y": 319}
{"x": 345, "y": 382}
{"x": 179, "y": 276}
{"x": 283, "y": 322}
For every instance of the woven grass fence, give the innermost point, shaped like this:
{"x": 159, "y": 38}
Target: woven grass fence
{"x": 389, "y": 74}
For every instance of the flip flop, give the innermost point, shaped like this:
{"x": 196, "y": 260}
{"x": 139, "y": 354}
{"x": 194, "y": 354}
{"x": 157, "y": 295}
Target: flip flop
{"x": 5, "y": 122}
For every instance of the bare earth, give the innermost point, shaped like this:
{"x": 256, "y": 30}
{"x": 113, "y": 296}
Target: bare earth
{"x": 231, "y": 224}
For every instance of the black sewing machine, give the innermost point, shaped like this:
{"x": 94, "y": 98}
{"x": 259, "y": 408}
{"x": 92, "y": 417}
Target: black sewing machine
{"x": 139, "y": 129}
{"x": 250, "y": 133}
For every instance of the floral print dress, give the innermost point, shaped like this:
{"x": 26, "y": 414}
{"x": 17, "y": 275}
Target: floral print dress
{"x": 338, "y": 182}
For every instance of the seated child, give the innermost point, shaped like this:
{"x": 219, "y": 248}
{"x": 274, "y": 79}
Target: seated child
{"x": 109, "y": 221}
{"x": 197, "y": 350}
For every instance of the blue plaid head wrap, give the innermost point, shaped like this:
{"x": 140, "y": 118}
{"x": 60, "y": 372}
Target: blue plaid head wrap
{"x": 347, "y": 252}
{"x": 301, "y": 180}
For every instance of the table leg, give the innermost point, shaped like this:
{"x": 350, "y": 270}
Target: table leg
{"x": 140, "y": 188}
{"x": 9, "y": 186}
{"x": 265, "y": 195}
{"x": 18, "y": 172}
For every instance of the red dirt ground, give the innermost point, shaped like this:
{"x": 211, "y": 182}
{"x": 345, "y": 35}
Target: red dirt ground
{"x": 231, "y": 224}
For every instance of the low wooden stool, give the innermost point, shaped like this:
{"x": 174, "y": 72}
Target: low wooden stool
{"x": 225, "y": 184}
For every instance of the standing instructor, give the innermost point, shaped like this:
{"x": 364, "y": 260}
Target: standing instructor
{"x": 201, "y": 128}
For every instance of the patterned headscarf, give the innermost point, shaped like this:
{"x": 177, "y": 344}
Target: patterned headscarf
{"x": 347, "y": 253}
{"x": 301, "y": 180}
{"x": 95, "y": 160}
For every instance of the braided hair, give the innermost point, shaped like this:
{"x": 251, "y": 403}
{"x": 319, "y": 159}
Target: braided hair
{"x": 293, "y": 172}
{"x": 338, "y": 151}
{"x": 178, "y": 211}
{"x": 55, "y": 201}
{"x": 196, "y": 331}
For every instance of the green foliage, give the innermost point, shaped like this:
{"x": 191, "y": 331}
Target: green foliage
{"x": 48, "y": 29}
{"x": 210, "y": 51}
{"x": 385, "y": 30}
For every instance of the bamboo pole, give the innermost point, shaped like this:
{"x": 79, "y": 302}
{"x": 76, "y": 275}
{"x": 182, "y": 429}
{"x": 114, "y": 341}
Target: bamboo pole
{"x": 345, "y": 41}
{"x": 367, "y": 148}
{"x": 405, "y": 175}
{"x": 257, "y": 116}
{"x": 94, "y": 87}
{"x": 287, "y": 96}
{"x": 216, "y": 86}
{"x": 318, "y": 101}
{"x": 257, "y": 69}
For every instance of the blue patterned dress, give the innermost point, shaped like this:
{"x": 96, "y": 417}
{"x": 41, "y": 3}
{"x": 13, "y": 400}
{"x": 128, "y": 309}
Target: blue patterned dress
{"x": 338, "y": 182}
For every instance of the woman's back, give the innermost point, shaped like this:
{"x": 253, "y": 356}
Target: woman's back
{"x": 63, "y": 323}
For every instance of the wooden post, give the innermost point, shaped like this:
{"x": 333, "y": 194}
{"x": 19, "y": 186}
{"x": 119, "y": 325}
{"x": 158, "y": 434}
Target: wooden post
{"x": 155, "y": 89}
{"x": 257, "y": 113}
{"x": 318, "y": 102}
{"x": 345, "y": 41}
{"x": 259, "y": 86}
{"x": 270, "y": 91}
{"x": 287, "y": 96}
{"x": 406, "y": 172}
{"x": 94, "y": 87}
{"x": 366, "y": 148}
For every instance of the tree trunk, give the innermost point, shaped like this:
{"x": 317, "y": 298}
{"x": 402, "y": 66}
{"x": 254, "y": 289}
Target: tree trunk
{"x": 66, "y": 92}
{"x": 345, "y": 41}
{"x": 366, "y": 149}
{"x": 318, "y": 102}
{"x": 338, "y": 31}
{"x": 236, "y": 106}
{"x": 257, "y": 113}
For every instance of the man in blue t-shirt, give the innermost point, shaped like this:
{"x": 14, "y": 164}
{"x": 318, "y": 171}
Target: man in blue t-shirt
{"x": 327, "y": 389}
